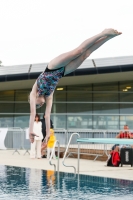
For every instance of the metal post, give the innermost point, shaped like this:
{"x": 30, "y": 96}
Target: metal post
{"x": 27, "y": 151}
{"x": 78, "y": 158}
{"x": 78, "y": 183}
{"x": 15, "y": 151}
{"x": 58, "y": 156}
{"x": 105, "y": 145}
{"x": 58, "y": 180}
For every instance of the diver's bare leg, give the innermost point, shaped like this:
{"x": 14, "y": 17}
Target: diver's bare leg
{"x": 73, "y": 65}
{"x": 65, "y": 58}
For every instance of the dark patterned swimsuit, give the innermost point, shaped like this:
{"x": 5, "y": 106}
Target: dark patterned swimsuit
{"x": 48, "y": 80}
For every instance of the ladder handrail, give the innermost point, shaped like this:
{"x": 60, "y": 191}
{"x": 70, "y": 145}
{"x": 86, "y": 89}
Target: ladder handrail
{"x": 67, "y": 151}
{"x": 52, "y": 155}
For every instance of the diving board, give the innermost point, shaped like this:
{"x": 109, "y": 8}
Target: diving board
{"x": 101, "y": 141}
{"x": 93, "y": 140}
{"x": 105, "y": 141}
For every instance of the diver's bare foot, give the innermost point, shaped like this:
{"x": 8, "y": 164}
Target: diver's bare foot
{"x": 110, "y": 31}
{"x": 31, "y": 137}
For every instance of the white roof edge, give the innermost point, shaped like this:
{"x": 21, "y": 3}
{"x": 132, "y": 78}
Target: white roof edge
{"x": 89, "y": 63}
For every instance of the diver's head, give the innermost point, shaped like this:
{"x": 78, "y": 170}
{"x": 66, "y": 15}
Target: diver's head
{"x": 40, "y": 100}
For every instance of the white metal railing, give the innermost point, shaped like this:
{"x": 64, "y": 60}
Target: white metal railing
{"x": 53, "y": 150}
{"x": 11, "y": 138}
{"x": 87, "y": 149}
{"x": 65, "y": 154}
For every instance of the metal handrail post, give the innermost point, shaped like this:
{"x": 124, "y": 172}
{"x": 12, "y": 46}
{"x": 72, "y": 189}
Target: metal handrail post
{"x": 67, "y": 151}
{"x": 105, "y": 145}
{"x": 78, "y": 158}
{"x": 52, "y": 156}
{"x": 66, "y": 133}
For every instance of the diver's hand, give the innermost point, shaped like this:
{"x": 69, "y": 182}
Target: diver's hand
{"x": 31, "y": 137}
{"x": 46, "y": 139}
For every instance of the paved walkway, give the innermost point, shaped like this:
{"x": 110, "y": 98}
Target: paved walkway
{"x": 95, "y": 168}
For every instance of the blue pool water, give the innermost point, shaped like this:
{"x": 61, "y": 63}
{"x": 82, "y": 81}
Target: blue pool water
{"x": 29, "y": 184}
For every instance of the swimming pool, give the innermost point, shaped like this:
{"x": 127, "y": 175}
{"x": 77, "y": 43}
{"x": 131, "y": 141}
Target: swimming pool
{"x": 24, "y": 183}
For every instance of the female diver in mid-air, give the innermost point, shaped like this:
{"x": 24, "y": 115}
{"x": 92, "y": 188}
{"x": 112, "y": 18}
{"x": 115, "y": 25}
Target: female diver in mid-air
{"x": 43, "y": 89}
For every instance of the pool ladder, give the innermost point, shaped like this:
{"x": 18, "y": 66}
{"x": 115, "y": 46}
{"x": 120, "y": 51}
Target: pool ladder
{"x": 67, "y": 151}
{"x": 65, "y": 154}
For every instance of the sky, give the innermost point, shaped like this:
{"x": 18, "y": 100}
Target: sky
{"x": 36, "y": 31}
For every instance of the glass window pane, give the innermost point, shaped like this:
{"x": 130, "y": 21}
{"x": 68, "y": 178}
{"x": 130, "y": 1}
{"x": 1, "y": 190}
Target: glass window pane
{"x": 22, "y": 95}
{"x": 104, "y": 108}
{"x": 21, "y": 121}
{"x": 128, "y": 85}
{"x": 7, "y": 95}
{"x": 105, "y": 122}
{"x": 59, "y": 121}
{"x": 42, "y": 109}
{"x": 126, "y": 108}
{"x": 106, "y": 87}
{"x": 126, "y": 120}
{"x": 126, "y": 96}
{"x": 59, "y": 96}
{"x": 79, "y": 93}
{"x": 113, "y": 122}
{"x": 7, "y": 107}
{"x": 79, "y": 88}
{"x": 79, "y": 121}
{"x": 105, "y": 97}
{"x": 22, "y": 108}
{"x": 59, "y": 108}
{"x": 79, "y": 107}
{"x": 6, "y": 121}
{"x": 79, "y": 96}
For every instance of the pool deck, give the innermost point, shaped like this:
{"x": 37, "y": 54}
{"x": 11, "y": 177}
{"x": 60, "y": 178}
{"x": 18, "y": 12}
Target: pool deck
{"x": 88, "y": 167}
